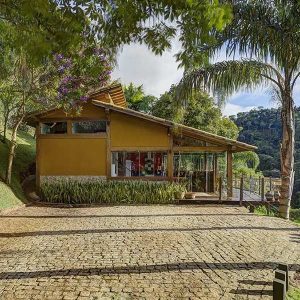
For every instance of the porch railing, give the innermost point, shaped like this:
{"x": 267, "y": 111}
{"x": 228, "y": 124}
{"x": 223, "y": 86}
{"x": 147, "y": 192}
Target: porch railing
{"x": 249, "y": 188}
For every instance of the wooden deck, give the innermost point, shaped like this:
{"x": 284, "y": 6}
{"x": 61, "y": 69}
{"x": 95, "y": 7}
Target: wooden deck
{"x": 249, "y": 199}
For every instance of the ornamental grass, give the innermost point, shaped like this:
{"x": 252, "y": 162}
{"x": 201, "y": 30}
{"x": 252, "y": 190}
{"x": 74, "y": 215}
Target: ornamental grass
{"x": 110, "y": 192}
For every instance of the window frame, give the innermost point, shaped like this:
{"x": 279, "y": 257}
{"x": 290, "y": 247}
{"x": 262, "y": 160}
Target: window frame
{"x": 69, "y": 133}
{"x": 104, "y": 133}
{"x": 53, "y": 134}
{"x": 140, "y": 177}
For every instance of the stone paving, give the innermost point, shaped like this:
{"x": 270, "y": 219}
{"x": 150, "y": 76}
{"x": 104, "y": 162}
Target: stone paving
{"x": 142, "y": 252}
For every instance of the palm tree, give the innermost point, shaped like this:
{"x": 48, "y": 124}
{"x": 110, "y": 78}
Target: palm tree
{"x": 265, "y": 35}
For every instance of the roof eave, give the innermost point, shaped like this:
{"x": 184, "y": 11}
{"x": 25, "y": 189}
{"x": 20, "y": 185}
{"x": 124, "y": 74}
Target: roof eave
{"x": 235, "y": 145}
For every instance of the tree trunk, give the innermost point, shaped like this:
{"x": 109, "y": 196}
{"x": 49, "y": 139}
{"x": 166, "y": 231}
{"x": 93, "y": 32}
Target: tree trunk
{"x": 287, "y": 155}
{"x": 5, "y": 128}
{"x": 12, "y": 148}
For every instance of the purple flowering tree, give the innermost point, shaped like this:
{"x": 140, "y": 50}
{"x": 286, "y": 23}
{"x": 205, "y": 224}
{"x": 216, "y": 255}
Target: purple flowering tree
{"x": 70, "y": 78}
{"x": 59, "y": 82}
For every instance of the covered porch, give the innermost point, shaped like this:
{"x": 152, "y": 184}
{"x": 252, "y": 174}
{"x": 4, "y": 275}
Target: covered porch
{"x": 206, "y": 173}
{"x": 204, "y": 162}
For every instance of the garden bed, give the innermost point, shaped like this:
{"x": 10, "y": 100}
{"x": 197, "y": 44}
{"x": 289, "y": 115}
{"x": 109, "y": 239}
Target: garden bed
{"x": 110, "y": 192}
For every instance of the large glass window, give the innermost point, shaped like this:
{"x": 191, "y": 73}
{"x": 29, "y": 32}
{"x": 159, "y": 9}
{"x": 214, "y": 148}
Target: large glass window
{"x": 132, "y": 164}
{"x": 197, "y": 169}
{"x": 191, "y": 162}
{"x": 54, "y": 128}
{"x": 96, "y": 126}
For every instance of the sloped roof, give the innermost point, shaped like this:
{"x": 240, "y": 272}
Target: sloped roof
{"x": 114, "y": 90}
{"x": 118, "y": 104}
{"x": 190, "y": 131}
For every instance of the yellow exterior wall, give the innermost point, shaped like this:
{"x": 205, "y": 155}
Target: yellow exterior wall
{"x": 72, "y": 156}
{"x": 89, "y": 111}
{"x": 87, "y": 155}
{"x": 129, "y": 131}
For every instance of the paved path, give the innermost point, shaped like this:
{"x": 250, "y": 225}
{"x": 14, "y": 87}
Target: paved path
{"x": 145, "y": 252}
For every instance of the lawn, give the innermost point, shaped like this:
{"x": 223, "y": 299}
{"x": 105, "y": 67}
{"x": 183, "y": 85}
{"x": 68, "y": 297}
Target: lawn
{"x": 25, "y": 154}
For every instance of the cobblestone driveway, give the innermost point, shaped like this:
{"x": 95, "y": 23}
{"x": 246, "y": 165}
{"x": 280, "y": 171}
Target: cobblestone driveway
{"x": 142, "y": 252}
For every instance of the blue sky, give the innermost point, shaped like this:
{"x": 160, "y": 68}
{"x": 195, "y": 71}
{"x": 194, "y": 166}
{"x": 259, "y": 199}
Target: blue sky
{"x": 157, "y": 73}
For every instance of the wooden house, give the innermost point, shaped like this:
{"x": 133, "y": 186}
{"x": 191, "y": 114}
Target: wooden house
{"x": 108, "y": 141}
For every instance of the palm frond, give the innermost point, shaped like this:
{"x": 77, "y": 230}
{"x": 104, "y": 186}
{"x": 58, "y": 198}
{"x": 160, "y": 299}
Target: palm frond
{"x": 266, "y": 30}
{"x": 225, "y": 78}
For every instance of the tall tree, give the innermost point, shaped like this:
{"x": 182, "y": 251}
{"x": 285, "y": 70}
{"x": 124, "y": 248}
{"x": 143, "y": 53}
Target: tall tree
{"x": 266, "y": 35}
{"x": 8, "y": 106}
{"x": 198, "y": 110}
{"x": 137, "y": 99}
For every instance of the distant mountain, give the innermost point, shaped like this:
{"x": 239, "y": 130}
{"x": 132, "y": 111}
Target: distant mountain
{"x": 262, "y": 127}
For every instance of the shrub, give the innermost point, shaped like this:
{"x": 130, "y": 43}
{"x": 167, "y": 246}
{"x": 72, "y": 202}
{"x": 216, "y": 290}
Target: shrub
{"x": 262, "y": 210}
{"x": 295, "y": 215}
{"x": 110, "y": 192}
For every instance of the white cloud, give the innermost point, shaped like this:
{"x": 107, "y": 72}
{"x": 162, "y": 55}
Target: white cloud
{"x": 233, "y": 109}
{"x": 137, "y": 64}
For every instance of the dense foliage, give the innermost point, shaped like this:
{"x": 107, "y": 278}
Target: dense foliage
{"x": 264, "y": 210}
{"x": 262, "y": 127}
{"x": 110, "y": 192}
{"x": 137, "y": 99}
{"x": 151, "y": 22}
{"x": 199, "y": 111}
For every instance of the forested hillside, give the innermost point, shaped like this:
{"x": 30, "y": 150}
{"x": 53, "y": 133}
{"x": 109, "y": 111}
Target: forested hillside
{"x": 262, "y": 127}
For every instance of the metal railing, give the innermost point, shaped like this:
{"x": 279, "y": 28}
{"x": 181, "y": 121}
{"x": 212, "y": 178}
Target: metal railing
{"x": 258, "y": 191}
{"x": 257, "y": 186}
{"x": 247, "y": 189}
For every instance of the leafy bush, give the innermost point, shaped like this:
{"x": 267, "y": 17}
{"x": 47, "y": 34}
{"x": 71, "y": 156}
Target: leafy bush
{"x": 262, "y": 210}
{"x": 110, "y": 192}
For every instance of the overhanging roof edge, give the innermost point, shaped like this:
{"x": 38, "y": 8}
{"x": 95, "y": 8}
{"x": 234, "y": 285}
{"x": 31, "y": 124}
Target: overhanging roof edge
{"x": 229, "y": 142}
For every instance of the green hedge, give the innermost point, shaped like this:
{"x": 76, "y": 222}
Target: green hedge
{"x": 110, "y": 192}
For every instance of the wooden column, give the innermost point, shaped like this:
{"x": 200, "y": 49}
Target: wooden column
{"x": 37, "y": 159}
{"x": 229, "y": 175}
{"x": 215, "y": 171}
{"x": 242, "y": 190}
{"x": 108, "y": 144}
{"x": 262, "y": 189}
{"x": 206, "y": 172}
{"x": 170, "y": 162}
